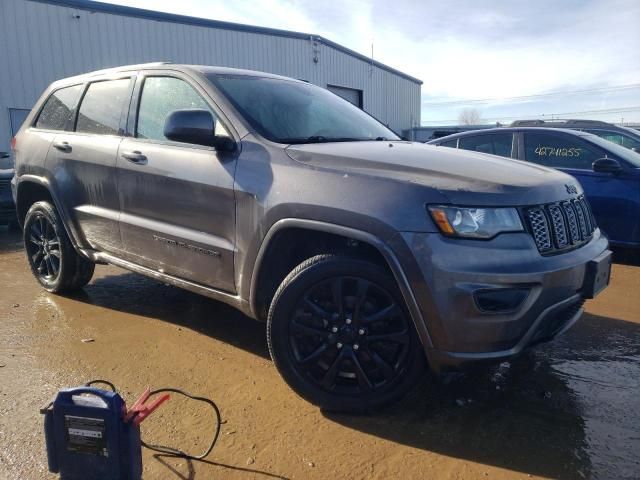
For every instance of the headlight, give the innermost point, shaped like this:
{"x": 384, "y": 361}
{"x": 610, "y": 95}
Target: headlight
{"x": 475, "y": 222}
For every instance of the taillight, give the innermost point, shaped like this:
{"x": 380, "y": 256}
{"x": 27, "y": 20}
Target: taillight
{"x": 13, "y": 144}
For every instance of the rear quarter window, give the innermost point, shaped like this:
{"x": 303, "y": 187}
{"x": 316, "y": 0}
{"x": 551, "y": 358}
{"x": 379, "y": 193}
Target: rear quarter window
{"x": 58, "y": 108}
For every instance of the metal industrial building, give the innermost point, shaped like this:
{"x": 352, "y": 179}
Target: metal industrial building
{"x": 44, "y": 40}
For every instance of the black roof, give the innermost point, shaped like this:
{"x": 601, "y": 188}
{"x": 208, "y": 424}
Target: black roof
{"x": 577, "y": 124}
{"x": 204, "y": 22}
{"x": 203, "y": 69}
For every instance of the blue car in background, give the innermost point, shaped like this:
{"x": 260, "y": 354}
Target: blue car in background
{"x": 609, "y": 173}
{"x": 7, "y": 207}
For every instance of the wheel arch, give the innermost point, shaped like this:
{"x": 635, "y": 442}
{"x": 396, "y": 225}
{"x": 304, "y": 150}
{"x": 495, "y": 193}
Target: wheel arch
{"x": 33, "y": 188}
{"x": 372, "y": 244}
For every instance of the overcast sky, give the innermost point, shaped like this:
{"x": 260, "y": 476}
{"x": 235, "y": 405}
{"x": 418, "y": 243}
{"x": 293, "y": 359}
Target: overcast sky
{"x": 469, "y": 50}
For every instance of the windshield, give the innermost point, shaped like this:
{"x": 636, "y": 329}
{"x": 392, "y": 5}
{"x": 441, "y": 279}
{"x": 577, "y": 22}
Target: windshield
{"x": 286, "y": 111}
{"x": 624, "y": 153}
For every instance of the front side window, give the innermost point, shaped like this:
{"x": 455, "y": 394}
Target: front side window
{"x": 618, "y": 138}
{"x": 161, "y": 96}
{"x": 559, "y": 151}
{"x": 102, "y": 107}
{"x": 287, "y": 111}
{"x": 496, "y": 144}
{"x": 57, "y": 109}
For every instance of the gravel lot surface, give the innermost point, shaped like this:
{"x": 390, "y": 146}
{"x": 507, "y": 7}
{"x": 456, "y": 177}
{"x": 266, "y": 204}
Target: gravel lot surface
{"x": 568, "y": 409}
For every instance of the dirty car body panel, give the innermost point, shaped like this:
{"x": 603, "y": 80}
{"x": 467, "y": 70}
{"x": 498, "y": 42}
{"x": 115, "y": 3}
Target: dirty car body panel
{"x": 203, "y": 219}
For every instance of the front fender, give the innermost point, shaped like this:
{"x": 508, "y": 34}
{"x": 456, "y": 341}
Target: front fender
{"x": 388, "y": 254}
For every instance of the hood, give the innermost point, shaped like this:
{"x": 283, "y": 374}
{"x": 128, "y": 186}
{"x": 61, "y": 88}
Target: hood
{"x": 463, "y": 177}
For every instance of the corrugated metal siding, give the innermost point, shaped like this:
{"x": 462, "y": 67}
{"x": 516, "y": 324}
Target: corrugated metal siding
{"x": 43, "y": 42}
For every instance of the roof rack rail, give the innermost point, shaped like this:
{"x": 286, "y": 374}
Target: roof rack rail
{"x": 558, "y": 121}
{"x": 127, "y": 67}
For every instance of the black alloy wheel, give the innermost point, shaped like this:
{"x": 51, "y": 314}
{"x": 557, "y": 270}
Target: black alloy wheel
{"x": 340, "y": 335}
{"x": 54, "y": 261}
{"x": 43, "y": 248}
{"x": 349, "y": 335}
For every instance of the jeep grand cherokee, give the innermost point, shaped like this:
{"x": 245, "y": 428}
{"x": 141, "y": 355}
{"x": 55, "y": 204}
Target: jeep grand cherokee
{"x": 369, "y": 257}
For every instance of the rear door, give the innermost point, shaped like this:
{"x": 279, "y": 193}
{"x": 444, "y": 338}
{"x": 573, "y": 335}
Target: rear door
{"x": 83, "y": 162}
{"x": 613, "y": 198}
{"x": 177, "y": 200}
{"x": 499, "y": 143}
{"x": 55, "y": 116}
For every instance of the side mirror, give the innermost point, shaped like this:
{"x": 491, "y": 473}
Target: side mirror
{"x": 196, "y": 126}
{"x": 606, "y": 165}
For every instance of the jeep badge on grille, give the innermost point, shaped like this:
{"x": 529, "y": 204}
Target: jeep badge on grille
{"x": 571, "y": 189}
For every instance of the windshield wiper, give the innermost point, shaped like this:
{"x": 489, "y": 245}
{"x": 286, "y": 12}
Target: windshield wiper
{"x": 321, "y": 139}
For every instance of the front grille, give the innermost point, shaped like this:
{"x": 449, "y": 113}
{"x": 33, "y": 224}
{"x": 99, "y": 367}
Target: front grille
{"x": 560, "y": 226}
{"x": 5, "y": 184}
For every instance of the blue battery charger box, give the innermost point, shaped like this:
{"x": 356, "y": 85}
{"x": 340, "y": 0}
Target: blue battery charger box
{"x": 87, "y": 436}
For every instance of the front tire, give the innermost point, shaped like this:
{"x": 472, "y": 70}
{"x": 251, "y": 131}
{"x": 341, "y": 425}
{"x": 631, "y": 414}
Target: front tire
{"x": 340, "y": 335}
{"x": 52, "y": 258}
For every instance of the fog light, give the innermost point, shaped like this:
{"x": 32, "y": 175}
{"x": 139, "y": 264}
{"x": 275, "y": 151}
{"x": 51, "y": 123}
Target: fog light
{"x": 500, "y": 300}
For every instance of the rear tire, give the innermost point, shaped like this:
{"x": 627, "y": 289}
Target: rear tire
{"x": 52, "y": 258}
{"x": 340, "y": 335}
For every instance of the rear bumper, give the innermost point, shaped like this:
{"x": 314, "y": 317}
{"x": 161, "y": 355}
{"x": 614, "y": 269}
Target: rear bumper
{"x": 447, "y": 277}
{"x": 7, "y": 215}
{"x": 7, "y": 206}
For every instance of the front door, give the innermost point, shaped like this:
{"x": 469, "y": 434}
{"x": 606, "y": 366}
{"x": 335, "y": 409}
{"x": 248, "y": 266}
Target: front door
{"x": 177, "y": 200}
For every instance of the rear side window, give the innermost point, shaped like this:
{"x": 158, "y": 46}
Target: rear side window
{"x": 496, "y": 144}
{"x": 102, "y": 107}
{"x": 160, "y": 97}
{"x": 57, "y": 109}
{"x": 559, "y": 151}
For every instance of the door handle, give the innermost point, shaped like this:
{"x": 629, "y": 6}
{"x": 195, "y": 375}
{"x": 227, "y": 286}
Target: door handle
{"x": 135, "y": 157}
{"x": 62, "y": 146}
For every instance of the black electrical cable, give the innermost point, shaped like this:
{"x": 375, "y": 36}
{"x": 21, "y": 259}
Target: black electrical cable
{"x": 101, "y": 382}
{"x": 175, "y": 451}
{"x": 170, "y": 450}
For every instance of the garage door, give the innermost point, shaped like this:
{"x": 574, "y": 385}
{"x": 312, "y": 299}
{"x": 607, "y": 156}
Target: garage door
{"x": 349, "y": 94}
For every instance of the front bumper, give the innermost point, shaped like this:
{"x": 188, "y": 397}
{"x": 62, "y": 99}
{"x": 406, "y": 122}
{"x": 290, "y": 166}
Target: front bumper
{"x": 446, "y": 275}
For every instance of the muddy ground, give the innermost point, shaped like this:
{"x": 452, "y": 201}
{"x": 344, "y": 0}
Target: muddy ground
{"x": 569, "y": 409}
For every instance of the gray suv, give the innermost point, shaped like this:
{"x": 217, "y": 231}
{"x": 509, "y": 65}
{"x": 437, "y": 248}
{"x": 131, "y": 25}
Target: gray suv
{"x": 368, "y": 257}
